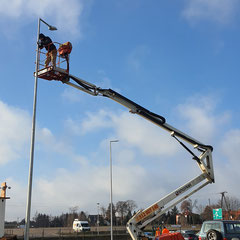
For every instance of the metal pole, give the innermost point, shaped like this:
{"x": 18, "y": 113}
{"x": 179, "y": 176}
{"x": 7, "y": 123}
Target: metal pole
{"x": 98, "y": 218}
{"x": 111, "y": 191}
{"x": 30, "y": 176}
{"x": 111, "y": 201}
{"x": 29, "y": 194}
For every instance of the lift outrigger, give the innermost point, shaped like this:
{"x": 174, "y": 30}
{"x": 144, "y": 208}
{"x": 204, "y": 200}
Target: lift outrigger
{"x": 142, "y": 218}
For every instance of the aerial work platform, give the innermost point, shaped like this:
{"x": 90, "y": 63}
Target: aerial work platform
{"x": 54, "y": 73}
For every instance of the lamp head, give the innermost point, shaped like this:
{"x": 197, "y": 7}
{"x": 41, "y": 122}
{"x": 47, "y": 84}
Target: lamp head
{"x": 52, "y": 28}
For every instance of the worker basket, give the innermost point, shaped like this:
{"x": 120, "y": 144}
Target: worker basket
{"x": 59, "y": 71}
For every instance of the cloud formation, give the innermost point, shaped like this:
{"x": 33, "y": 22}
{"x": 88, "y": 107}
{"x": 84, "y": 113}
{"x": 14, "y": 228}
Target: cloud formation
{"x": 61, "y": 13}
{"x": 15, "y": 126}
{"x": 71, "y": 95}
{"x": 230, "y": 148}
{"x": 133, "y": 130}
{"x": 218, "y": 11}
{"x": 141, "y": 153}
{"x": 200, "y": 117}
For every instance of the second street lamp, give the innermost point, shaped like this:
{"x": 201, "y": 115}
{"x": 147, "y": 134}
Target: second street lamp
{"x": 111, "y": 201}
{"x": 98, "y": 218}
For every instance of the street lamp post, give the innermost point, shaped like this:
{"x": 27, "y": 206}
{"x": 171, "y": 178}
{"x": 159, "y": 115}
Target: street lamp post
{"x": 98, "y": 218}
{"x": 29, "y": 193}
{"x": 111, "y": 201}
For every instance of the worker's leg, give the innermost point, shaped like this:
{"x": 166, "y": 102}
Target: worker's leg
{"x": 53, "y": 57}
{"x": 48, "y": 59}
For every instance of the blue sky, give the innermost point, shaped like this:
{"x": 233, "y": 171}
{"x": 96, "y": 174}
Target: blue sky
{"x": 179, "y": 59}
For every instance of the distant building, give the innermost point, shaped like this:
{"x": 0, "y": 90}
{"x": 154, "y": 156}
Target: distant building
{"x": 92, "y": 219}
{"x": 231, "y": 215}
{"x": 187, "y": 218}
{"x": 13, "y": 224}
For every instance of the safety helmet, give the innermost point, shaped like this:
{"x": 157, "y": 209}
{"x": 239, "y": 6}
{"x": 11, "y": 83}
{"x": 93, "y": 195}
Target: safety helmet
{"x": 41, "y": 36}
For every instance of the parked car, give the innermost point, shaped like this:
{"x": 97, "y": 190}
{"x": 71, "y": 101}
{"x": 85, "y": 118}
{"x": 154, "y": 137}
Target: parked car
{"x": 220, "y": 230}
{"x": 190, "y": 235}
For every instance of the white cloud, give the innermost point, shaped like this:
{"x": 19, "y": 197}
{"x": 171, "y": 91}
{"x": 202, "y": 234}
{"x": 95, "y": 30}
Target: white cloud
{"x": 137, "y": 175}
{"x": 209, "y": 127}
{"x": 125, "y": 156}
{"x": 200, "y": 118}
{"x": 51, "y": 143}
{"x": 230, "y": 146}
{"x": 84, "y": 187}
{"x": 227, "y": 162}
{"x": 16, "y": 205}
{"x": 137, "y": 132}
{"x": 92, "y": 122}
{"x": 96, "y": 121}
{"x": 104, "y": 80}
{"x": 14, "y": 132}
{"x": 219, "y": 11}
{"x": 71, "y": 95}
{"x": 64, "y": 14}
{"x": 147, "y": 137}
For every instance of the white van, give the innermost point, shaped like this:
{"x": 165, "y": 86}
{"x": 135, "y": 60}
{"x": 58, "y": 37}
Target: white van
{"x": 80, "y": 226}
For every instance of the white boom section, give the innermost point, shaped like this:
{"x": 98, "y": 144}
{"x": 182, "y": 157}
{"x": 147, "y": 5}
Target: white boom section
{"x": 142, "y": 218}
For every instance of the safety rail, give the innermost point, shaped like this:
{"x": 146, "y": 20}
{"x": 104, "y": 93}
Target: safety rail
{"x": 61, "y": 61}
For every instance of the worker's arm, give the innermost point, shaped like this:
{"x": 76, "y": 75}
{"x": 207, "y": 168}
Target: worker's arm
{"x": 40, "y": 44}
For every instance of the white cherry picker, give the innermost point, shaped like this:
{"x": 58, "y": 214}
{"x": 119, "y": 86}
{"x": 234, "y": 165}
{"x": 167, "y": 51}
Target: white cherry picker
{"x": 142, "y": 218}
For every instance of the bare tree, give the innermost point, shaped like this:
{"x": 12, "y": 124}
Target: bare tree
{"x": 230, "y": 203}
{"x": 234, "y": 203}
{"x": 121, "y": 209}
{"x": 131, "y": 205}
{"x": 208, "y": 212}
{"x": 200, "y": 209}
{"x": 188, "y": 205}
{"x": 185, "y": 206}
{"x": 125, "y": 208}
{"x": 72, "y": 215}
{"x": 103, "y": 211}
{"x": 73, "y": 209}
{"x": 108, "y": 213}
{"x": 82, "y": 216}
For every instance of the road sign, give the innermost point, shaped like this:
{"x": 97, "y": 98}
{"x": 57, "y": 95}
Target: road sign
{"x": 217, "y": 213}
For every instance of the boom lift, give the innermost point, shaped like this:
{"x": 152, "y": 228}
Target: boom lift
{"x": 142, "y": 218}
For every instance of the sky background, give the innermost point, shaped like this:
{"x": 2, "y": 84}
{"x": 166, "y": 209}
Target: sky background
{"x": 179, "y": 59}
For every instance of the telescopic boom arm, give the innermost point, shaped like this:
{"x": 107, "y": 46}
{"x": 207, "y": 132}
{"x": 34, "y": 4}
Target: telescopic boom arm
{"x": 142, "y": 218}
